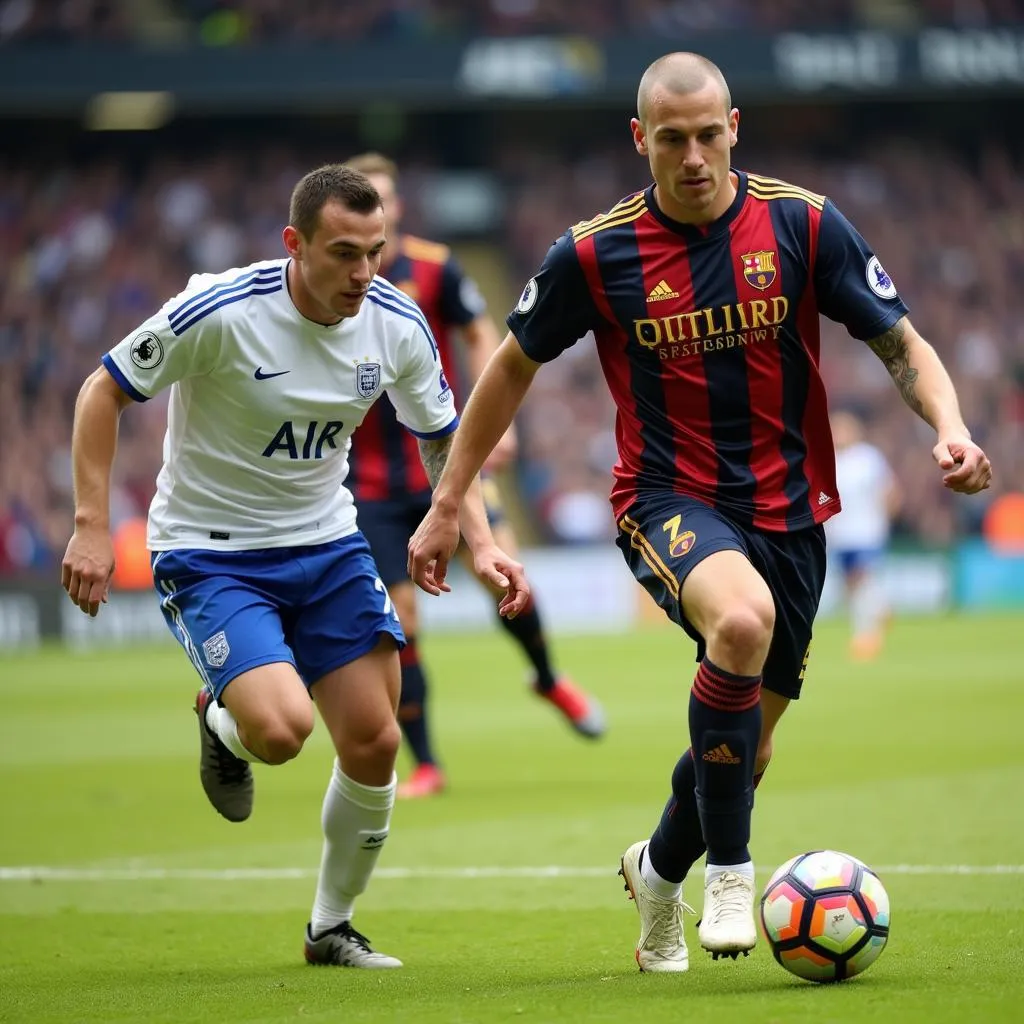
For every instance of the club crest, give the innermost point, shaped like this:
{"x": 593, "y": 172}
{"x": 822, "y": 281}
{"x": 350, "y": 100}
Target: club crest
{"x": 146, "y": 351}
{"x": 367, "y": 379}
{"x": 216, "y": 650}
{"x": 759, "y": 269}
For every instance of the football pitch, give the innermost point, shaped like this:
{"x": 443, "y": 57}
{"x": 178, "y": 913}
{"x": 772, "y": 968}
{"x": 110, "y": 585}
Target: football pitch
{"x": 124, "y": 897}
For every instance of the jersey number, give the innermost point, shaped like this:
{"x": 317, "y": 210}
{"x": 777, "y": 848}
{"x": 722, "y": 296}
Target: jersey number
{"x": 312, "y": 442}
{"x": 389, "y": 608}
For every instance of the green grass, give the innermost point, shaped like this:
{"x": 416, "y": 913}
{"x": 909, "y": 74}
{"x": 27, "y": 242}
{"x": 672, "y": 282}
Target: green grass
{"x": 913, "y": 763}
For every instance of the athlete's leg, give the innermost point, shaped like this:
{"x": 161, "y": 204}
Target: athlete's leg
{"x": 357, "y": 703}
{"x": 346, "y": 639}
{"x": 387, "y": 526}
{"x": 253, "y": 706}
{"x": 868, "y": 609}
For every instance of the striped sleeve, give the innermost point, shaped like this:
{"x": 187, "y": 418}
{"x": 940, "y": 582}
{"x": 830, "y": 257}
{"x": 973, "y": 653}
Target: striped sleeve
{"x": 183, "y": 338}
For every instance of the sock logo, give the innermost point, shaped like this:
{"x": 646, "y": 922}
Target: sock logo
{"x": 373, "y": 840}
{"x": 721, "y": 755}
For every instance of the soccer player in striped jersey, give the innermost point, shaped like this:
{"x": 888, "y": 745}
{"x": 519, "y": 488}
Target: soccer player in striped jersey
{"x": 393, "y": 494}
{"x": 704, "y": 292}
{"x": 262, "y": 573}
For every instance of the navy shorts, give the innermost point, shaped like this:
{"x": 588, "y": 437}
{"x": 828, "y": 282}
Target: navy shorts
{"x": 317, "y": 607}
{"x": 665, "y": 535}
{"x": 389, "y": 524}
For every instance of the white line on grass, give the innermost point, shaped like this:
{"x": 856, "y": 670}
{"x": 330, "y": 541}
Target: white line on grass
{"x": 43, "y": 873}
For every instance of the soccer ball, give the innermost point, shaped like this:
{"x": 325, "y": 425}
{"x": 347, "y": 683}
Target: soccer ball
{"x": 825, "y": 916}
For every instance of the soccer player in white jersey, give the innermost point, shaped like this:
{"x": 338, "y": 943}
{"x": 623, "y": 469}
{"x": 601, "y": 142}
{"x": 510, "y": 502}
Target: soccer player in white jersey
{"x": 858, "y": 535}
{"x": 262, "y": 573}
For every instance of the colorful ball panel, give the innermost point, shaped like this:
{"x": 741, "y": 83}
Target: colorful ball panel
{"x": 781, "y": 911}
{"x": 806, "y": 963}
{"x": 864, "y": 958}
{"x": 837, "y": 923}
{"x": 780, "y": 872}
{"x": 825, "y": 869}
{"x": 876, "y": 898}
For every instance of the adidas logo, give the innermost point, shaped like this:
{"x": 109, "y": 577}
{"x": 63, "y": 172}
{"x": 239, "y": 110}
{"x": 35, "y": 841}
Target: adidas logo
{"x": 661, "y": 291}
{"x": 823, "y": 498}
{"x": 721, "y": 755}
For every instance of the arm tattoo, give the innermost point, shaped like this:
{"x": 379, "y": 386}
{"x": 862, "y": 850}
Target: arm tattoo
{"x": 891, "y": 348}
{"x": 434, "y": 455}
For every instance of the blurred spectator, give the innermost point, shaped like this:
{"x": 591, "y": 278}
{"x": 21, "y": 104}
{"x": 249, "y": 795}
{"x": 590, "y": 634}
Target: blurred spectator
{"x": 241, "y": 22}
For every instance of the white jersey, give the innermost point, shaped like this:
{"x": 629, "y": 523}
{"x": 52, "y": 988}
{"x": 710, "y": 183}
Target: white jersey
{"x": 864, "y": 479}
{"x": 263, "y": 404}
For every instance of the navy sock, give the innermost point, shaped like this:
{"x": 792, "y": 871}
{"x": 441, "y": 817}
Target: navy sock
{"x": 725, "y": 726}
{"x": 412, "y": 705}
{"x": 678, "y": 841}
{"x": 527, "y": 631}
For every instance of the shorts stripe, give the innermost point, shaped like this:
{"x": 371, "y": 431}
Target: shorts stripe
{"x": 647, "y": 551}
{"x": 167, "y": 603}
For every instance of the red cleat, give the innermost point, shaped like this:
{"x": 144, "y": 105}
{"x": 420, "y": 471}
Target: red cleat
{"x": 426, "y": 780}
{"x": 581, "y": 710}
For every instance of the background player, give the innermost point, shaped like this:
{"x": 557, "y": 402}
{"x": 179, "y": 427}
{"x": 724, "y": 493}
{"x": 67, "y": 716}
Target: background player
{"x": 393, "y": 493}
{"x": 263, "y": 576}
{"x": 858, "y": 535}
{"x": 704, "y": 292}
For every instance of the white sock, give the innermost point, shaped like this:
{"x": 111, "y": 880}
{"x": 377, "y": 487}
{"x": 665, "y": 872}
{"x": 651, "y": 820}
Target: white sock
{"x": 659, "y": 886}
{"x": 222, "y": 723}
{"x": 867, "y": 607}
{"x": 355, "y": 823}
{"x": 714, "y": 871}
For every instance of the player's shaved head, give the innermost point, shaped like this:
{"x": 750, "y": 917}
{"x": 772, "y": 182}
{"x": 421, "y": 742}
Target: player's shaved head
{"x": 681, "y": 74}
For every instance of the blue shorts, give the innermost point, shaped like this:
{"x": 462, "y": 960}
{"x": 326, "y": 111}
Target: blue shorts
{"x": 662, "y": 549}
{"x": 853, "y": 560}
{"x": 389, "y": 524}
{"x": 316, "y": 607}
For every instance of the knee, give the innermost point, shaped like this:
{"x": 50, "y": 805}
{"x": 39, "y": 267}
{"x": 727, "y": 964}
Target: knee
{"x": 377, "y": 745}
{"x": 744, "y": 632}
{"x": 281, "y": 737}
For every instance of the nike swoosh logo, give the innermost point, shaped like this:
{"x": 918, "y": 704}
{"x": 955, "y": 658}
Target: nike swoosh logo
{"x": 260, "y": 375}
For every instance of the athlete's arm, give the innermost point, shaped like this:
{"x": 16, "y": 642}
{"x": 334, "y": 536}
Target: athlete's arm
{"x": 926, "y": 387}
{"x": 490, "y": 409}
{"x": 482, "y": 340}
{"x": 89, "y": 560}
{"x": 471, "y": 515}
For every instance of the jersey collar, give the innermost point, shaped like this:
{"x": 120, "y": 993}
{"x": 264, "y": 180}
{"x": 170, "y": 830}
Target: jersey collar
{"x": 693, "y": 232}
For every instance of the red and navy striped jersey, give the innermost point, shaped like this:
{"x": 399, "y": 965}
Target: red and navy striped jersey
{"x": 709, "y": 341}
{"x": 384, "y": 462}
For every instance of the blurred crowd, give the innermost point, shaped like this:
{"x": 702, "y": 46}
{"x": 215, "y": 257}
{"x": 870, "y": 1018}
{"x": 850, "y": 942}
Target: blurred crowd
{"x": 237, "y": 22}
{"x": 89, "y": 251}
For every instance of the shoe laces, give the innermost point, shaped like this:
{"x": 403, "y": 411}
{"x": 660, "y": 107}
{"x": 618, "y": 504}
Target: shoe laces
{"x": 231, "y": 770}
{"x": 356, "y": 938}
{"x": 730, "y": 895}
{"x": 666, "y": 932}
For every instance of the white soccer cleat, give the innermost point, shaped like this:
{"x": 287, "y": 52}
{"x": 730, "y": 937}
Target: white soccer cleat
{"x": 727, "y": 925}
{"x": 343, "y": 946}
{"x": 662, "y": 948}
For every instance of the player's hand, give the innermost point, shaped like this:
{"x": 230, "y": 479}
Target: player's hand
{"x": 503, "y": 573}
{"x": 87, "y": 567}
{"x": 504, "y": 452}
{"x": 966, "y": 466}
{"x": 431, "y": 548}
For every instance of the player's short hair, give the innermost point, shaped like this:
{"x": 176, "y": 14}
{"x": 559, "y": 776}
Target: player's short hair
{"x": 374, "y": 163}
{"x": 681, "y": 73}
{"x": 332, "y": 182}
